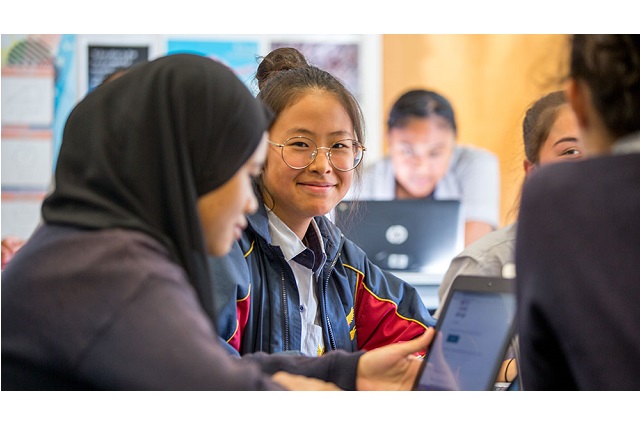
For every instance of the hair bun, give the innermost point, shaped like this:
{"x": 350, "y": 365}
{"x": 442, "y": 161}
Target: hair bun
{"x": 281, "y": 59}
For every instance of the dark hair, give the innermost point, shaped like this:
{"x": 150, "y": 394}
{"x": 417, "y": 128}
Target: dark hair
{"x": 537, "y": 124}
{"x": 610, "y": 65}
{"x": 538, "y": 121}
{"x": 282, "y": 59}
{"x": 421, "y": 104}
{"x": 284, "y": 76}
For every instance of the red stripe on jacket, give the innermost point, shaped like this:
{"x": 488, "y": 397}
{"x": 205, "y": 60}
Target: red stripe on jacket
{"x": 242, "y": 317}
{"x": 378, "y": 322}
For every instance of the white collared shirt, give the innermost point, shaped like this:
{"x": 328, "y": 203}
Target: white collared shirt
{"x": 292, "y": 246}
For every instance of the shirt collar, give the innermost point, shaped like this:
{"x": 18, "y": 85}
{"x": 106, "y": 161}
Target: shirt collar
{"x": 312, "y": 257}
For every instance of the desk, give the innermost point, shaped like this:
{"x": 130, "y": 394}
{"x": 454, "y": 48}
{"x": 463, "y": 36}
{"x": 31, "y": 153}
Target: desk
{"x": 427, "y": 285}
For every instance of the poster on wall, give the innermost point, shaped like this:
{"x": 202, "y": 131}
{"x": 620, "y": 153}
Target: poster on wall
{"x": 340, "y": 59}
{"x": 105, "y": 60}
{"x": 29, "y": 73}
{"x": 240, "y": 55}
{"x": 27, "y": 96}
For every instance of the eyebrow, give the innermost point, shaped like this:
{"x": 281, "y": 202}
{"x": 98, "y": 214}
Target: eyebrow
{"x": 305, "y": 132}
{"x": 567, "y": 139}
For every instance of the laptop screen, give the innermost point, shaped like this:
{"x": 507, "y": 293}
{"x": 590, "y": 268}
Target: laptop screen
{"x": 471, "y": 336}
{"x": 405, "y": 235}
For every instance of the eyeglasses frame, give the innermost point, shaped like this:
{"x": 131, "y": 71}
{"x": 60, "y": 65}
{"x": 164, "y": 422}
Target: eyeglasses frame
{"x": 315, "y": 152}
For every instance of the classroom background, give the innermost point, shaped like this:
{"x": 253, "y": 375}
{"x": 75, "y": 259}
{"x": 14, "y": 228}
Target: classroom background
{"x": 489, "y": 78}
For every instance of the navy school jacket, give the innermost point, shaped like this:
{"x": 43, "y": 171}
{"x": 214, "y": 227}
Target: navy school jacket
{"x": 361, "y": 306}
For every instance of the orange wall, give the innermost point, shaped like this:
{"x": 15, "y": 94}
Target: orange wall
{"x": 490, "y": 80}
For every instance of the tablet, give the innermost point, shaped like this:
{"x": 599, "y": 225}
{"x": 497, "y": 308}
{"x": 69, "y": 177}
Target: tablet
{"x": 472, "y": 335}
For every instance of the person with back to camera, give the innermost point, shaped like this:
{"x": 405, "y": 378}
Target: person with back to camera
{"x": 154, "y": 173}
{"x": 293, "y": 282}
{"x": 550, "y": 134}
{"x": 425, "y": 161}
{"x": 578, "y": 239}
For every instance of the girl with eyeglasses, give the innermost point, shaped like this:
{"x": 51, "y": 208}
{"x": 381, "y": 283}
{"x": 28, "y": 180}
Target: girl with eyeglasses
{"x": 293, "y": 281}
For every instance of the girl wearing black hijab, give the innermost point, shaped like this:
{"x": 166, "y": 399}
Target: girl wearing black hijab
{"x": 154, "y": 173}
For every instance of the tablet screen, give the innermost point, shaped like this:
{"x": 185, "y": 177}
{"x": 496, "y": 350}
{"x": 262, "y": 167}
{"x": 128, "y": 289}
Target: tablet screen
{"x": 471, "y": 337}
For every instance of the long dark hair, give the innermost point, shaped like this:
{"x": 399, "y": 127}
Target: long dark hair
{"x": 538, "y": 121}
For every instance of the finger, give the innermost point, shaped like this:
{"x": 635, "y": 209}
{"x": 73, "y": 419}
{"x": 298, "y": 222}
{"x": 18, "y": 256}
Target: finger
{"x": 420, "y": 343}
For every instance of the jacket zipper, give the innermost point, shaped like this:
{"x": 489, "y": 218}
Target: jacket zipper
{"x": 285, "y": 310}
{"x": 332, "y": 340}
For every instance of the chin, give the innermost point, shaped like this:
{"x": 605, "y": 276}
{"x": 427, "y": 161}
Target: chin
{"x": 321, "y": 211}
{"x": 219, "y": 249}
{"x": 420, "y": 192}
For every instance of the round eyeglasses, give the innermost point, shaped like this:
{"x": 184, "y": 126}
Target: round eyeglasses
{"x": 300, "y": 152}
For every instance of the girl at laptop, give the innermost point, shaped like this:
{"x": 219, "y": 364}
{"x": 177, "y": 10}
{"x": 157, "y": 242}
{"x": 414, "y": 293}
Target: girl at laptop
{"x": 425, "y": 161}
{"x": 293, "y": 282}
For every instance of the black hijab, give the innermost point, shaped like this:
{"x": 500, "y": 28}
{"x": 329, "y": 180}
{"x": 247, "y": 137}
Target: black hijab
{"x": 138, "y": 151}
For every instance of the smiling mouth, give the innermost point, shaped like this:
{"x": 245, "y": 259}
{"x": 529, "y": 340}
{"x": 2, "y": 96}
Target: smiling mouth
{"x": 317, "y": 187}
{"x": 321, "y": 185}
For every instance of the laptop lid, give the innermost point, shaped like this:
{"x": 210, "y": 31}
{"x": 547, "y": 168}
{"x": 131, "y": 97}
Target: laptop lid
{"x": 472, "y": 335}
{"x": 405, "y": 235}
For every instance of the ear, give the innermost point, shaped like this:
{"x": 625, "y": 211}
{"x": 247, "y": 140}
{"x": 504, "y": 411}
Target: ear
{"x": 528, "y": 167}
{"x": 577, "y": 98}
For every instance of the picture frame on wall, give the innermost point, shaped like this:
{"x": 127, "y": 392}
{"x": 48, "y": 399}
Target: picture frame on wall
{"x": 104, "y": 60}
{"x": 98, "y": 55}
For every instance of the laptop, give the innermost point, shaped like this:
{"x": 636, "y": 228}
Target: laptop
{"x": 405, "y": 235}
{"x": 472, "y": 335}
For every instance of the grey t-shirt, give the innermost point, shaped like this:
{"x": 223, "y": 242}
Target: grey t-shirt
{"x": 492, "y": 255}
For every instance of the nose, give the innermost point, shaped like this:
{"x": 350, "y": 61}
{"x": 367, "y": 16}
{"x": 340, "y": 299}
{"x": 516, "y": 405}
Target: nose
{"x": 251, "y": 205}
{"x": 421, "y": 162}
{"x": 321, "y": 163}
